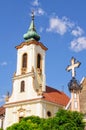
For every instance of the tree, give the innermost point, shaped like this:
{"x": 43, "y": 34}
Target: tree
{"x": 69, "y": 120}
{"x": 64, "y": 120}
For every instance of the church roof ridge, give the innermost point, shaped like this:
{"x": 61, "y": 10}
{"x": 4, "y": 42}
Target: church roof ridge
{"x": 54, "y": 89}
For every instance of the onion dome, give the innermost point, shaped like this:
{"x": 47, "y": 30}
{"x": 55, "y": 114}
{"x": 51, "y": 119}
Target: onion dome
{"x": 31, "y": 33}
{"x": 74, "y": 85}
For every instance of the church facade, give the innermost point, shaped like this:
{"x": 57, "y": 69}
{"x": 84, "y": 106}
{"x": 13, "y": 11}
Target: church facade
{"x": 30, "y": 95}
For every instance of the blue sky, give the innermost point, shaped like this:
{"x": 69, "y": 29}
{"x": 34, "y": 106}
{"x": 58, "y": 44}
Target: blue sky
{"x": 62, "y": 27}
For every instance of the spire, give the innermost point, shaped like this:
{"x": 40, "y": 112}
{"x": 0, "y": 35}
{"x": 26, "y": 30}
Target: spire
{"x": 31, "y": 33}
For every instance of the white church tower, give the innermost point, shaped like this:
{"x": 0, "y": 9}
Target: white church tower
{"x": 29, "y": 81}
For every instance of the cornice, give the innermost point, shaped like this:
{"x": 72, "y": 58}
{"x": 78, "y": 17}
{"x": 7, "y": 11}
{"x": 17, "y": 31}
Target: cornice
{"x": 23, "y": 75}
{"x": 31, "y": 101}
{"x": 32, "y": 42}
{"x": 23, "y": 102}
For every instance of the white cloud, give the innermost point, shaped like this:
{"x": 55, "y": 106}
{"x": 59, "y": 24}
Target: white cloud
{"x": 78, "y": 44}
{"x": 67, "y": 22}
{"x": 63, "y": 25}
{"x": 41, "y": 29}
{"x": 35, "y": 3}
{"x": 39, "y": 12}
{"x": 77, "y": 32}
{"x": 58, "y": 25}
{"x": 3, "y": 63}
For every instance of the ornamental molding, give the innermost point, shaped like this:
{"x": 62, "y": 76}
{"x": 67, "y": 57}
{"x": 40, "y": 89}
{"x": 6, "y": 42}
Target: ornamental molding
{"x": 32, "y": 42}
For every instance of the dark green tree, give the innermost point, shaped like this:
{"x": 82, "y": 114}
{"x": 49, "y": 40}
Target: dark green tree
{"x": 69, "y": 120}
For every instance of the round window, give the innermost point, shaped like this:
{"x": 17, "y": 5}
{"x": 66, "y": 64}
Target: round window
{"x": 48, "y": 113}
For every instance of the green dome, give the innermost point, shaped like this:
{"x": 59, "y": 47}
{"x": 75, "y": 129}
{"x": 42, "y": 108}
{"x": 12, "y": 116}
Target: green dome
{"x": 31, "y": 33}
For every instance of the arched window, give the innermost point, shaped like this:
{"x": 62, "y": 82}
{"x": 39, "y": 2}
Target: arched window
{"x": 22, "y": 89}
{"x": 38, "y": 61}
{"x": 24, "y": 61}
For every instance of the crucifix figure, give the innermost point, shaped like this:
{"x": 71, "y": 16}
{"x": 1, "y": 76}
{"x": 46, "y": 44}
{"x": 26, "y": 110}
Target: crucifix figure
{"x": 73, "y": 65}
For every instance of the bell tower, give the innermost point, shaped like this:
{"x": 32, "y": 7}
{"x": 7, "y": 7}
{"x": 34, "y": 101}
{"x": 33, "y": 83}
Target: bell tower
{"x": 29, "y": 79}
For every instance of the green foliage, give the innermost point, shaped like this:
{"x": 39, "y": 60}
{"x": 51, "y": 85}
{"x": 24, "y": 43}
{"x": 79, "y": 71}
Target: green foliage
{"x": 1, "y": 129}
{"x": 68, "y": 120}
{"x": 34, "y": 119}
{"x": 64, "y": 120}
{"x": 49, "y": 124}
{"x": 24, "y": 125}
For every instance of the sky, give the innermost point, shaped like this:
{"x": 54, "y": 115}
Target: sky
{"x": 61, "y": 25}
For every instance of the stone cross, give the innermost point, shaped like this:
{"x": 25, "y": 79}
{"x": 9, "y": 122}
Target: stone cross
{"x": 73, "y": 65}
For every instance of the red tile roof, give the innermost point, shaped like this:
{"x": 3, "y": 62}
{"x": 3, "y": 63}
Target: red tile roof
{"x": 56, "y": 96}
{"x": 2, "y": 110}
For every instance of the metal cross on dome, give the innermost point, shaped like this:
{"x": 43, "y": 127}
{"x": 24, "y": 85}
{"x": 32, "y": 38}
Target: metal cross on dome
{"x": 73, "y": 65}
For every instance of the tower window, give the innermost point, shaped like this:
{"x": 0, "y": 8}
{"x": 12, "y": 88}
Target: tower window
{"x": 75, "y": 95}
{"x": 24, "y": 61}
{"x": 38, "y": 61}
{"x": 75, "y": 105}
{"x": 22, "y": 89}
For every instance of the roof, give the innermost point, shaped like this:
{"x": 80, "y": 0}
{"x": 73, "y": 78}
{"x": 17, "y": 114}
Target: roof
{"x": 56, "y": 96}
{"x": 2, "y": 110}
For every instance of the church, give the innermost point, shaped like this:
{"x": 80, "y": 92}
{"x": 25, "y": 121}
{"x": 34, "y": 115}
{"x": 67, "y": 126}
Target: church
{"x": 30, "y": 94}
